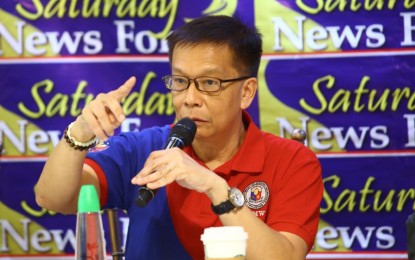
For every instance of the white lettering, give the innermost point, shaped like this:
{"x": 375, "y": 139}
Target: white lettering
{"x": 144, "y": 41}
{"x": 15, "y": 44}
{"x": 347, "y": 33}
{"x": 37, "y": 238}
{"x": 385, "y": 234}
{"x": 131, "y": 125}
{"x": 356, "y": 234}
{"x": 375, "y": 36}
{"x": 62, "y": 241}
{"x": 321, "y": 138}
{"x": 7, "y": 231}
{"x": 321, "y": 134}
{"x": 281, "y": 27}
{"x": 36, "y": 43}
{"x": 408, "y": 29}
{"x": 123, "y": 36}
{"x": 140, "y": 39}
{"x": 316, "y": 37}
{"x": 93, "y": 43}
{"x": 286, "y": 127}
{"x": 410, "y": 122}
{"x": 36, "y": 141}
{"x": 329, "y": 238}
{"x": 6, "y": 131}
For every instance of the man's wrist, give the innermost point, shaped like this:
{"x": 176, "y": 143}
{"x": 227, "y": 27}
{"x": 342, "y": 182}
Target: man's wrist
{"x": 219, "y": 192}
{"x": 75, "y": 144}
{"x": 235, "y": 200}
{"x": 79, "y": 132}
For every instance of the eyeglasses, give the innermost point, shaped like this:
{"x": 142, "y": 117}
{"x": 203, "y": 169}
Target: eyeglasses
{"x": 203, "y": 84}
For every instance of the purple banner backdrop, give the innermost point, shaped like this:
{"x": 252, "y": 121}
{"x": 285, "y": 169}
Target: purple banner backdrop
{"x": 341, "y": 70}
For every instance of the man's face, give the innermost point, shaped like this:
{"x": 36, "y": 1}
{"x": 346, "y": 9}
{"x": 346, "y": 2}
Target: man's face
{"x": 214, "y": 113}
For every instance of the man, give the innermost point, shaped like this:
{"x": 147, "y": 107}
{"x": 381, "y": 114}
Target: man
{"x": 214, "y": 62}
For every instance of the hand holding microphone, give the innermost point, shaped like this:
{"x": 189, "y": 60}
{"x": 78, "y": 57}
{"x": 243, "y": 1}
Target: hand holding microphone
{"x": 181, "y": 135}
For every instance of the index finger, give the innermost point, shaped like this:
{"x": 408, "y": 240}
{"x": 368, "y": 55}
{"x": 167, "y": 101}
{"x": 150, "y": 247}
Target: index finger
{"x": 123, "y": 90}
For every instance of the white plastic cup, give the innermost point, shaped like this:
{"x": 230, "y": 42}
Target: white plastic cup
{"x": 224, "y": 242}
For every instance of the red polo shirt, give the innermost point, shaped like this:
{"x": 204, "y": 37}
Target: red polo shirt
{"x": 281, "y": 181}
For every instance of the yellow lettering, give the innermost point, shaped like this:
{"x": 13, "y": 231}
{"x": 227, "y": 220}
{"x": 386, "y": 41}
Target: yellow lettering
{"x": 123, "y": 8}
{"x": 386, "y": 204}
{"x": 371, "y": 5}
{"x": 369, "y": 198}
{"x": 411, "y": 102}
{"x": 38, "y": 6}
{"x": 335, "y": 4}
{"x": 316, "y": 89}
{"x": 171, "y": 10}
{"x": 91, "y": 11}
{"x": 326, "y": 196}
{"x": 403, "y": 196}
{"x": 354, "y": 5}
{"x": 170, "y": 107}
{"x": 127, "y": 7}
{"x": 155, "y": 103}
{"x": 349, "y": 201}
{"x": 58, "y": 105}
{"x": 340, "y": 100}
{"x": 55, "y": 8}
{"x": 409, "y": 4}
{"x": 48, "y": 85}
{"x": 397, "y": 97}
{"x": 108, "y": 5}
{"x": 382, "y": 102}
{"x": 33, "y": 212}
{"x": 79, "y": 95}
{"x": 309, "y": 9}
{"x": 364, "y": 193}
{"x": 137, "y": 99}
{"x": 391, "y": 4}
{"x": 73, "y": 12}
{"x": 359, "y": 92}
{"x": 131, "y": 103}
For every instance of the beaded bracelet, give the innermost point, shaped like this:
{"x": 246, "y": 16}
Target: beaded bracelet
{"x": 81, "y": 146}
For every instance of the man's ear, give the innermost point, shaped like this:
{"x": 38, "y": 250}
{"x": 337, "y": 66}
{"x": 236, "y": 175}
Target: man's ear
{"x": 248, "y": 89}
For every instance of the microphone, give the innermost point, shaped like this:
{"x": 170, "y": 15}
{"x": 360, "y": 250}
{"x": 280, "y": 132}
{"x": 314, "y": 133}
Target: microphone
{"x": 181, "y": 135}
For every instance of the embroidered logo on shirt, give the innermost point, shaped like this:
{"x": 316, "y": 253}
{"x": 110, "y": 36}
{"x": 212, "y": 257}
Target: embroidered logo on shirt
{"x": 256, "y": 195}
{"x": 101, "y": 146}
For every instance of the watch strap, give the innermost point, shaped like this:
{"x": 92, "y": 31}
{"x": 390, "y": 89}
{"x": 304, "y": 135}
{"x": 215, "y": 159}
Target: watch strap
{"x": 223, "y": 208}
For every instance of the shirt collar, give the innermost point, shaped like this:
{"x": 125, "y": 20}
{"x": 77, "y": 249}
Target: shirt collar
{"x": 250, "y": 156}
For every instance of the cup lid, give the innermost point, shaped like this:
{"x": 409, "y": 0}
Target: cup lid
{"x": 224, "y": 233}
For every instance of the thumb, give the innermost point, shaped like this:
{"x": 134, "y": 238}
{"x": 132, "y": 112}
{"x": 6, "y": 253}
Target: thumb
{"x": 124, "y": 89}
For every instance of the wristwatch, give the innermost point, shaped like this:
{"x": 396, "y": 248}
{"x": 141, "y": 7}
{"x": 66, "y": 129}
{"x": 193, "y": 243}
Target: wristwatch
{"x": 235, "y": 200}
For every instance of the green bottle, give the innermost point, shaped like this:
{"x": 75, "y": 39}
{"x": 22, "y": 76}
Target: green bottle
{"x": 90, "y": 242}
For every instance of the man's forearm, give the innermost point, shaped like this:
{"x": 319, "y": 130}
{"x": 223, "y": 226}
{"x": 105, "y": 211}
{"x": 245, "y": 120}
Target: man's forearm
{"x": 263, "y": 241}
{"x": 58, "y": 185}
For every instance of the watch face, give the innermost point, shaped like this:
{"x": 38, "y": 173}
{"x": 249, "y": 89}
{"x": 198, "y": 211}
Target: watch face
{"x": 236, "y": 197}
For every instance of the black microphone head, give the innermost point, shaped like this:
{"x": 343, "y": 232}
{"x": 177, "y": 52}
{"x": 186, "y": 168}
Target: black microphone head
{"x": 185, "y": 130}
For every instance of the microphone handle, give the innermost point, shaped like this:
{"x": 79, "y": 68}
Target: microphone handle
{"x": 145, "y": 195}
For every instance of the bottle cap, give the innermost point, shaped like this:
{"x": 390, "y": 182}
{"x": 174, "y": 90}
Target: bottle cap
{"x": 88, "y": 200}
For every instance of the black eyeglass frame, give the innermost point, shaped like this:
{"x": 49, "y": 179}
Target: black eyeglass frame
{"x": 168, "y": 78}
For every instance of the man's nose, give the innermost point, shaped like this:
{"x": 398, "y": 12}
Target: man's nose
{"x": 193, "y": 95}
